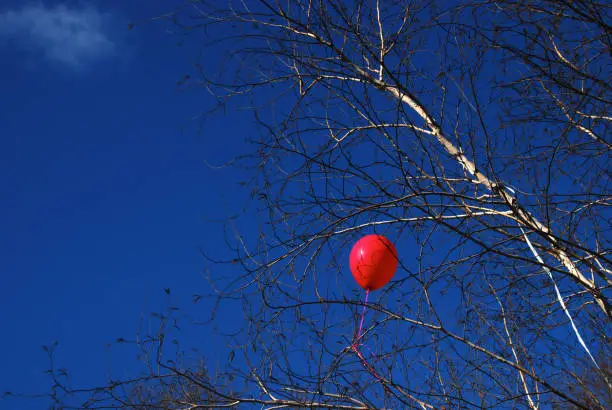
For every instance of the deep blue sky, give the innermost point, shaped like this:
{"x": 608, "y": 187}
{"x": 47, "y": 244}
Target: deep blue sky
{"x": 103, "y": 202}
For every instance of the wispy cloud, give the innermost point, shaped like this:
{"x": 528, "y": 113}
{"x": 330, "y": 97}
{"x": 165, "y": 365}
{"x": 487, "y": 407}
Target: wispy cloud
{"x": 68, "y": 35}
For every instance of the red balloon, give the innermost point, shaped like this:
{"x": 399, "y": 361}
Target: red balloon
{"x": 373, "y": 261}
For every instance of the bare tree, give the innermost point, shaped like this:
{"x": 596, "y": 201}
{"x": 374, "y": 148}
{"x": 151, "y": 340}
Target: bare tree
{"x": 476, "y": 137}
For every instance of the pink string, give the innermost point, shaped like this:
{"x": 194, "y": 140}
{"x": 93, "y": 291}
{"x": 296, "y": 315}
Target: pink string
{"x": 365, "y": 303}
{"x": 355, "y": 345}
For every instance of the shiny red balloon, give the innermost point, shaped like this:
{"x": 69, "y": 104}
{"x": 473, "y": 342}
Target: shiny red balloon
{"x": 373, "y": 261}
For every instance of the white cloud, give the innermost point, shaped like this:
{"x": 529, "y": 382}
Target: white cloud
{"x": 72, "y": 36}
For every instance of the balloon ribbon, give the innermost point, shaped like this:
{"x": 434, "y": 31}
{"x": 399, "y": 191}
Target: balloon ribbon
{"x": 356, "y": 344}
{"x": 365, "y": 303}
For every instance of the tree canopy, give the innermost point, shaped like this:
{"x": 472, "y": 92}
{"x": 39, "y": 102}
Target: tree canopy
{"x": 474, "y": 135}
